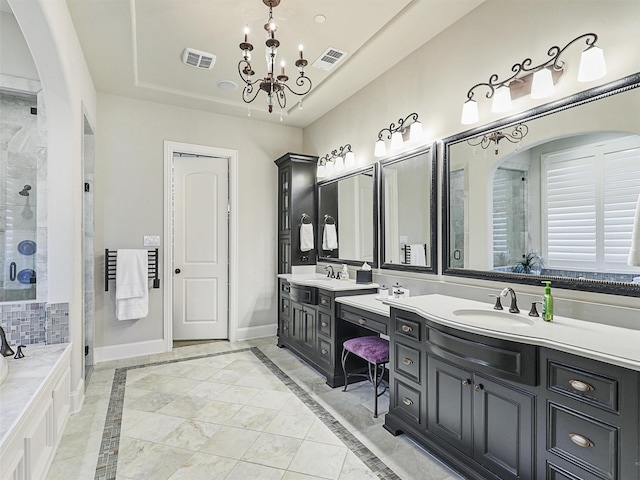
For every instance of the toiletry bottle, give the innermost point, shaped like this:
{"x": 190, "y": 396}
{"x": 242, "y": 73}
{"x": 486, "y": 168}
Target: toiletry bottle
{"x": 547, "y": 303}
{"x": 345, "y": 272}
{"x": 383, "y": 292}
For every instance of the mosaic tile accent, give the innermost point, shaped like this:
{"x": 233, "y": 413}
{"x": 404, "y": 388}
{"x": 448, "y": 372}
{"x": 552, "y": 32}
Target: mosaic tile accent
{"x": 57, "y": 323}
{"x": 31, "y": 323}
{"x": 108, "y": 457}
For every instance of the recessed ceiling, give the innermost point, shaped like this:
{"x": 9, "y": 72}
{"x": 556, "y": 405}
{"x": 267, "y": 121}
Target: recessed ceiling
{"x": 134, "y": 47}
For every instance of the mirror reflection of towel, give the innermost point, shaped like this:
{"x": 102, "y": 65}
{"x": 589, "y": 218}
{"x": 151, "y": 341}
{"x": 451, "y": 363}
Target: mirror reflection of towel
{"x": 306, "y": 237}
{"x": 329, "y": 237}
{"x": 418, "y": 256}
{"x": 634, "y": 251}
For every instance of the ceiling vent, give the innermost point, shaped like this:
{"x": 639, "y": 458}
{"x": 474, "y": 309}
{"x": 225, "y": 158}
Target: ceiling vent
{"x": 198, "y": 59}
{"x": 329, "y": 59}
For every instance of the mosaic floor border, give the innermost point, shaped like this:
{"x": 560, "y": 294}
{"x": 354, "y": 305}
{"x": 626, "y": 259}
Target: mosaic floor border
{"x": 108, "y": 456}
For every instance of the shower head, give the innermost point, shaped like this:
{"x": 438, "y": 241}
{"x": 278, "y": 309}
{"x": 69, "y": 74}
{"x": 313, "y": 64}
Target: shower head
{"x": 25, "y": 191}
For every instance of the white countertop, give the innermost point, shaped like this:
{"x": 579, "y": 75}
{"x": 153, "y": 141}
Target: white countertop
{"x": 321, "y": 281}
{"x": 615, "y": 345}
{"x": 367, "y": 303}
{"x": 26, "y": 377}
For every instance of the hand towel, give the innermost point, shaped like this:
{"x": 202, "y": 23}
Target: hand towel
{"x": 132, "y": 284}
{"x": 634, "y": 251}
{"x": 418, "y": 256}
{"x": 329, "y": 237}
{"x": 306, "y": 237}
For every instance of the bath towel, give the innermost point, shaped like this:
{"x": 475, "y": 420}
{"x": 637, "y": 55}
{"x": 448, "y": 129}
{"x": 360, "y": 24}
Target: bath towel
{"x": 329, "y": 237}
{"x": 132, "y": 284}
{"x": 306, "y": 237}
{"x": 634, "y": 251}
{"x": 418, "y": 256}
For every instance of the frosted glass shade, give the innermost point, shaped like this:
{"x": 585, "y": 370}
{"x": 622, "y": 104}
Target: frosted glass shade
{"x": 592, "y": 65}
{"x": 542, "y": 84}
{"x": 349, "y": 160}
{"x": 380, "y": 150}
{"x": 396, "y": 141}
{"x": 501, "y": 100}
{"x": 415, "y": 132}
{"x": 330, "y": 169}
{"x": 321, "y": 172}
{"x": 339, "y": 164}
{"x": 469, "y": 113}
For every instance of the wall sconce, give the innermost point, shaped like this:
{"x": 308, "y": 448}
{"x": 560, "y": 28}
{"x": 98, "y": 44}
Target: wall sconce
{"x": 395, "y": 134}
{"x": 537, "y": 81}
{"x": 335, "y": 162}
{"x": 515, "y": 136}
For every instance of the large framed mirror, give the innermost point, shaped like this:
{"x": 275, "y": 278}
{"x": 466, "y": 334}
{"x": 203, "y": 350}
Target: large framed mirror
{"x": 348, "y": 218}
{"x": 408, "y": 231}
{"x": 548, "y": 194}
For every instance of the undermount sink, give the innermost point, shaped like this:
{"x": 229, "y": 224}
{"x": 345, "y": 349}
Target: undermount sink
{"x": 496, "y": 317}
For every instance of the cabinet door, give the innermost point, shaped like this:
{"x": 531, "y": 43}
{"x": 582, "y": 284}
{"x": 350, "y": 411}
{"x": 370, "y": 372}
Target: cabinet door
{"x": 503, "y": 429}
{"x": 449, "y": 396}
{"x": 303, "y": 321}
{"x": 284, "y": 199}
{"x": 284, "y": 254}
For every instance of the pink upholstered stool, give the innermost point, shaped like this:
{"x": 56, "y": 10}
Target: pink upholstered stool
{"x": 375, "y": 351}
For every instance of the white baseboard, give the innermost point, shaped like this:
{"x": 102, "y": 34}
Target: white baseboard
{"x": 128, "y": 350}
{"x": 249, "y": 333}
{"x": 77, "y": 397}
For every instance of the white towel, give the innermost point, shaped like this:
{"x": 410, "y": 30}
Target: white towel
{"x": 634, "y": 251}
{"x": 306, "y": 237}
{"x": 418, "y": 256}
{"x": 132, "y": 284}
{"x": 329, "y": 237}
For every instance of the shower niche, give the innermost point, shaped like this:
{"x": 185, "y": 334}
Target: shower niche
{"x": 19, "y": 246}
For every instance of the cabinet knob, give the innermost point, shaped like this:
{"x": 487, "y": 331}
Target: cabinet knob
{"x": 580, "y": 441}
{"x": 324, "y": 324}
{"x": 324, "y": 352}
{"x": 177, "y": 270}
{"x": 580, "y": 386}
{"x": 407, "y": 401}
{"x": 362, "y": 321}
{"x": 324, "y": 301}
{"x": 478, "y": 387}
{"x": 406, "y": 328}
{"x": 466, "y": 382}
{"x": 407, "y": 361}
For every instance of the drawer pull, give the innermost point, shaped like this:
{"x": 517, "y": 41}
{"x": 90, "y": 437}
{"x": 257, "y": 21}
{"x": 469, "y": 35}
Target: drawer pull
{"x": 580, "y": 386}
{"x": 407, "y": 361}
{"x": 324, "y": 324}
{"x": 466, "y": 382}
{"x": 285, "y": 328}
{"x": 581, "y": 441}
{"x": 362, "y": 321}
{"x": 406, "y": 328}
{"x": 478, "y": 387}
{"x": 324, "y": 301}
{"x": 407, "y": 401}
{"x": 324, "y": 352}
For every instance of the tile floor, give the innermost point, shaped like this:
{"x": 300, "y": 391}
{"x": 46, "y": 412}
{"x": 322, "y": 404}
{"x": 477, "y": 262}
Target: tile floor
{"x": 220, "y": 410}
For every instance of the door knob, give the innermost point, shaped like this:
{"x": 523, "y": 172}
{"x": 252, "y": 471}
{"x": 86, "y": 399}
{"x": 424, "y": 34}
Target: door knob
{"x": 178, "y": 270}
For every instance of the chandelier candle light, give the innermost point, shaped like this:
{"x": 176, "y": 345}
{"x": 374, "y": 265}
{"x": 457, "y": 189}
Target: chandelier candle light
{"x": 396, "y": 132}
{"x": 335, "y": 162}
{"x": 272, "y": 84}
{"x": 538, "y": 80}
{"x": 514, "y": 136}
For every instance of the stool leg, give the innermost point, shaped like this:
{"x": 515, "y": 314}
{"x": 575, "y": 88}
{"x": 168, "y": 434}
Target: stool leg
{"x": 345, "y": 353}
{"x": 375, "y": 393}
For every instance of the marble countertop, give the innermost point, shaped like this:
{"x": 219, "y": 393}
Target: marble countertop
{"x": 321, "y": 281}
{"x": 367, "y": 303}
{"x": 26, "y": 377}
{"x": 614, "y": 345}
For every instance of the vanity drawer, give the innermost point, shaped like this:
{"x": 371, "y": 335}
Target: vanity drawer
{"x": 583, "y": 385}
{"x": 303, "y": 294}
{"x": 285, "y": 287}
{"x": 582, "y": 440}
{"x": 324, "y": 324}
{"x": 365, "y": 319}
{"x": 407, "y": 328}
{"x": 325, "y": 301}
{"x": 407, "y": 362}
{"x": 325, "y": 352}
{"x": 285, "y": 306}
{"x": 406, "y": 402}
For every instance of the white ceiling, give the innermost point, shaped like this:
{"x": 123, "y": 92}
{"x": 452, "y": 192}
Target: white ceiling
{"x": 134, "y": 47}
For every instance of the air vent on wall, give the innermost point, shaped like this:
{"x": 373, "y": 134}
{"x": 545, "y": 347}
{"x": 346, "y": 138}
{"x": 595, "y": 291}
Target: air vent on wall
{"x": 329, "y": 59}
{"x": 198, "y": 59}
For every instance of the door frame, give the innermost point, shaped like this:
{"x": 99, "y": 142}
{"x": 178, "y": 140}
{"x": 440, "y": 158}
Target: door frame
{"x": 170, "y": 148}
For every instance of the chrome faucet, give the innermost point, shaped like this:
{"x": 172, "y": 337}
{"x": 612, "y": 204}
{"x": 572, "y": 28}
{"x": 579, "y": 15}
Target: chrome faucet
{"x": 514, "y": 302}
{"x": 5, "y": 349}
{"x": 330, "y": 272}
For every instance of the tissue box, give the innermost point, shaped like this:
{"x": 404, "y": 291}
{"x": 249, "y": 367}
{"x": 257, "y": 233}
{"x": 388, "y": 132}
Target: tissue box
{"x": 364, "y": 276}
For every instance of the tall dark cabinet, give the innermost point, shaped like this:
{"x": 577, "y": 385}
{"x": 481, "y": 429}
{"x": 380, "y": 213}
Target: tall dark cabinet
{"x": 296, "y": 196}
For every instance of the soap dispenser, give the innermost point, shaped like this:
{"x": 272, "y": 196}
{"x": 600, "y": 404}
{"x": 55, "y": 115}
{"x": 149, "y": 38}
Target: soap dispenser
{"x": 345, "y": 272}
{"x": 547, "y": 303}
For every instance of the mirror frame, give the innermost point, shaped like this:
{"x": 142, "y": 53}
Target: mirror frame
{"x": 433, "y": 210}
{"x": 374, "y": 168}
{"x": 622, "y": 85}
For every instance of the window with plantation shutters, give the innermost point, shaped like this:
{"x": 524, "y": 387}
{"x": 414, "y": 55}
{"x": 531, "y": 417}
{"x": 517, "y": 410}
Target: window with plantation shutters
{"x": 589, "y": 196}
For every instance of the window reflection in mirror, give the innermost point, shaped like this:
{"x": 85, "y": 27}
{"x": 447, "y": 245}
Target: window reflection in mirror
{"x": 347, "y": 217}
{"x": 560, "y": 204}
{"x": 407, "y": 211}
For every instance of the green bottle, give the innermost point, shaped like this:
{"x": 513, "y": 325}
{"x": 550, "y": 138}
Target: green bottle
{"x": 547, "y": 303}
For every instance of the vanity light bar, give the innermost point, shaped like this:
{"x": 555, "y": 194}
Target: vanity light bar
{"x": 335, "y": 162}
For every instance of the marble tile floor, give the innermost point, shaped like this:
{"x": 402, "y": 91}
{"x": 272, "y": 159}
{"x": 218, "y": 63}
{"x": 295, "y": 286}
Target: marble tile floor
{"x": 220, "y": 410}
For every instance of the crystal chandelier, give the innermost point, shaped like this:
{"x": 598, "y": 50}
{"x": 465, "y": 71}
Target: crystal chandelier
{"x": 273, "y": 85}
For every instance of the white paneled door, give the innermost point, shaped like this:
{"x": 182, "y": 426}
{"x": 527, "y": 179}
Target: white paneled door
{"x": 200, "y": 248}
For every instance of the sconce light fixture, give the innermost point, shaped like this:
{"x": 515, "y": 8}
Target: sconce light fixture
{"x": 395, "y": 134}
{"x": 488, "y": 139}
{"x": 335, "y": 162}
{"x": 537, "y": 81}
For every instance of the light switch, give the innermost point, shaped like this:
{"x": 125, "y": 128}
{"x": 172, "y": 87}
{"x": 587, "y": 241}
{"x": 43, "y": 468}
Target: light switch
{"x": 151, "y": 241}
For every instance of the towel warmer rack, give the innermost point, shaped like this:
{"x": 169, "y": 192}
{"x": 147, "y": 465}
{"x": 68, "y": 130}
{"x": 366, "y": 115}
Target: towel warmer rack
{"x": 329, "y": 220}
{"x": 110, "y": 257}
{"x": 407, "y": 252}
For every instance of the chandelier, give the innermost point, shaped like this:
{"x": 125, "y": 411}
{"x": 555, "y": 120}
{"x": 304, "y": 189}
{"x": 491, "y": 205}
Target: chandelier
{"x": 275, "y": 86}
